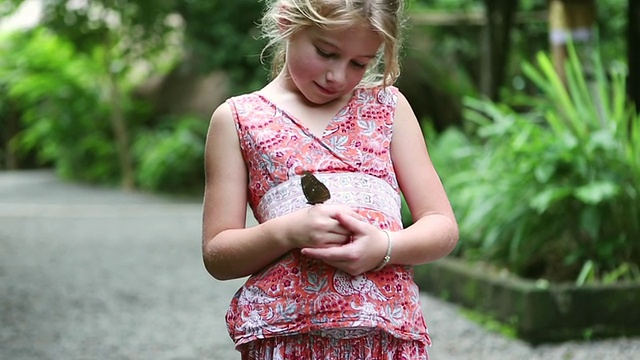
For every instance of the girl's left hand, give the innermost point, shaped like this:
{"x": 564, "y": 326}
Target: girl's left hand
{"x": 365, "y": 251}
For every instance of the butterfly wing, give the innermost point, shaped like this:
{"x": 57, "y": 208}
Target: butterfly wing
{"x": 314, "y": 190}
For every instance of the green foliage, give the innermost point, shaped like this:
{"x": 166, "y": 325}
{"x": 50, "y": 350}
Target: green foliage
{"x": 65, "y": 118}
{"x": 65, "y": 103}
{"x": 53, "y": 87}
{"x": 441, "y": 61}
{"x": 490, "y": 323}
{"x": 171, "y": 156}
{"x": 114, "y": 45}
{"x": 133, "y": 38}
{"x": 223, "y": 35}
{"x": 217, "y": 34}
{"x": 456, "y": 48}
{"x": 612, "y": 25}
{"x": 87, "y": 25}
{"x": 454, "y": 5}
{"x": 553, "y": 192}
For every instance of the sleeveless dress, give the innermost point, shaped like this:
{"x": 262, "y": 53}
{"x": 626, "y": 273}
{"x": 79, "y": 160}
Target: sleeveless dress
{"x": 302, "y": 308}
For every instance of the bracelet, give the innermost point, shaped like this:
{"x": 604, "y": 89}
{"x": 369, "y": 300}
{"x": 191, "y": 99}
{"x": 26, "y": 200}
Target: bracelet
{"x": 387, "y": 257}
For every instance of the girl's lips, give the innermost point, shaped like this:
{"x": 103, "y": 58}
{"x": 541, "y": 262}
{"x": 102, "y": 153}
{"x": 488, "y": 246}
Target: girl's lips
{"x": 325, "y": 90}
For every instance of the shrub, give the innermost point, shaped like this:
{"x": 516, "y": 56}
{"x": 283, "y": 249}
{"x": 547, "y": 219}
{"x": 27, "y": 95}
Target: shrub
{"x": 552, "y": 192}
{"x": 170, "y": 157}
{"x": 63, "y": 120}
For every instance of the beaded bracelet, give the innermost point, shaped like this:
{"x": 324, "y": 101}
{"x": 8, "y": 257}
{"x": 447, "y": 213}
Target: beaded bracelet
{"x": 387, "y": 257}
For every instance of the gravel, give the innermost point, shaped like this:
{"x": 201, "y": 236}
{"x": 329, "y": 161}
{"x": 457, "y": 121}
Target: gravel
{"x": 94, "y": 273}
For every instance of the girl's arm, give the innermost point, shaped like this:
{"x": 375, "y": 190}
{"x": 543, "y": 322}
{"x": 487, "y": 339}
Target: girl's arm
{"x": 229, "y": 249}
{"x": 434, "y": 233}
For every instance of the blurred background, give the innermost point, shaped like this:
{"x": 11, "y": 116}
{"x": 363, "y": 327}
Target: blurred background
{"x": 529, "y": 107}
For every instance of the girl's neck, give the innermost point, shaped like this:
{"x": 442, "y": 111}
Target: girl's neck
{"x": 283, "y": 90}
{"x": 283, "y": 93}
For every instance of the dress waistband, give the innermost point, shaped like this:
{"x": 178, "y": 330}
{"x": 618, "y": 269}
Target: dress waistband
{"x": 352, "y": 189}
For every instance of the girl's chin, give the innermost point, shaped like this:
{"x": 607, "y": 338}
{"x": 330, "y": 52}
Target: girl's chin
{"x": 319, "y": 99}
{"x": 326, "y": 92}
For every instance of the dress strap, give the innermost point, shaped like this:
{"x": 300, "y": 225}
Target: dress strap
{"x": 353, "y": 189}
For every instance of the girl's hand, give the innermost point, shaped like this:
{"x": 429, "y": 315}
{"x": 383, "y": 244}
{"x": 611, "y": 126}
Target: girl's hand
{"x": 364, "y": 252}
{"x": 317, "y": 227}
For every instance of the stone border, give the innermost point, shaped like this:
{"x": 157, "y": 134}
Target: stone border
{"x": 539, "y": 312}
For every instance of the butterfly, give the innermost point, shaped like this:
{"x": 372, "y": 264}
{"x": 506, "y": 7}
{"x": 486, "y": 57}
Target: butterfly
{"x": 314, "y": 190}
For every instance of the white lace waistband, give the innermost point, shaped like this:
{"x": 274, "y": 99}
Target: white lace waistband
{"x": 352, "y": 189}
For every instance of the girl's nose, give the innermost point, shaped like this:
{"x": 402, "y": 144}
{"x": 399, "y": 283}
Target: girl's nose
{"x": 336, "y": 74}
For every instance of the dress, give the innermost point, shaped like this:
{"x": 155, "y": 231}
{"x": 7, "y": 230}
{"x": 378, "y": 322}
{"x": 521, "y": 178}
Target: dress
{"x": 297, "y": 297}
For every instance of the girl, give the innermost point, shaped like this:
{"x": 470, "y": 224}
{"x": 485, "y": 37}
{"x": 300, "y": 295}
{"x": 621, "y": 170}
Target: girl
{"x": 331, "y": 275}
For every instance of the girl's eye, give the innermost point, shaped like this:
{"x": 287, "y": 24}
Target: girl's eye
{"x": 323, "y": 53}
{"x": 330, "y": 55}
{"x": 358, "y": 65}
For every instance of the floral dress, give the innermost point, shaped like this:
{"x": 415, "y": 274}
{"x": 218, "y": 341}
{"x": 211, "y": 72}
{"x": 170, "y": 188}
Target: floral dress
{"x": 302, "y": 308}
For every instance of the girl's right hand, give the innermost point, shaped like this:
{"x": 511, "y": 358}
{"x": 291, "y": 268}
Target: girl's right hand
{"x": 317, "y": 227}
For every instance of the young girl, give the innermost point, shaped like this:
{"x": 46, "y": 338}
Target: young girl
{"x": 330, "y": 275}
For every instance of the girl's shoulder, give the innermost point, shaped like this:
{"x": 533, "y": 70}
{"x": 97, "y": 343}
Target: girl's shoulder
{"x": 244, "y": 98}
{"x": 384, "y": 95}
{"x": 248, "y": 103}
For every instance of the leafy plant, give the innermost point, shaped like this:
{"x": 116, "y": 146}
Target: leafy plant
{"x": 63, "y": 119}
{"x": 170, "y": 157}
{"x": 553, "y": 192}
{"x": 126, "y": 41}
{"x": 223, "y": 35}
{"x": 507, "y": 329}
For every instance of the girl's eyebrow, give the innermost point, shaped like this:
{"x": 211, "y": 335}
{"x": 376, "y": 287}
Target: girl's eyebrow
{"x": 331, "y": 44}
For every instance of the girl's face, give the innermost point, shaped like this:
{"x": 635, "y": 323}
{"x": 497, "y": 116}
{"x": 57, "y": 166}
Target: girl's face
{"x": 327, "y": 65}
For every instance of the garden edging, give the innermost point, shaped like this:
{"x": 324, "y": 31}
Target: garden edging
{"x": 538, "y": 311}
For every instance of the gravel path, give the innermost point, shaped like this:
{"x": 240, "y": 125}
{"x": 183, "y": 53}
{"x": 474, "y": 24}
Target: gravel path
{"x": 90, "y": 273}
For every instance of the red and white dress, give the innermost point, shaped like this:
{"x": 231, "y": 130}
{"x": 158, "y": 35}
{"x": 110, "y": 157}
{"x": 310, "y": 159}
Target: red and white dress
{"x": 301, "y": 308}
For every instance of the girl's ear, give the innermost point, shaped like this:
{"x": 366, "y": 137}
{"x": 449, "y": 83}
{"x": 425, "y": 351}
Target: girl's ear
{"x": 283, "y": 23}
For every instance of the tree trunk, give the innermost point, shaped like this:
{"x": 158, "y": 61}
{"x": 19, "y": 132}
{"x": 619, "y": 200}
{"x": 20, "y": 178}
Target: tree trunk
{"x": 569, "y": 20}
{"x": 121, "y": 132}
{"x": 10, "y": 129}
{"x": 117, "y": 116}
{"x": 500, "y": 14}
{"x": 633, "y": 37}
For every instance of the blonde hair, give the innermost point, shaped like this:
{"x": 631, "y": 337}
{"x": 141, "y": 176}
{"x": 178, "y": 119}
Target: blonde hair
{"x": 284, "y": 18}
